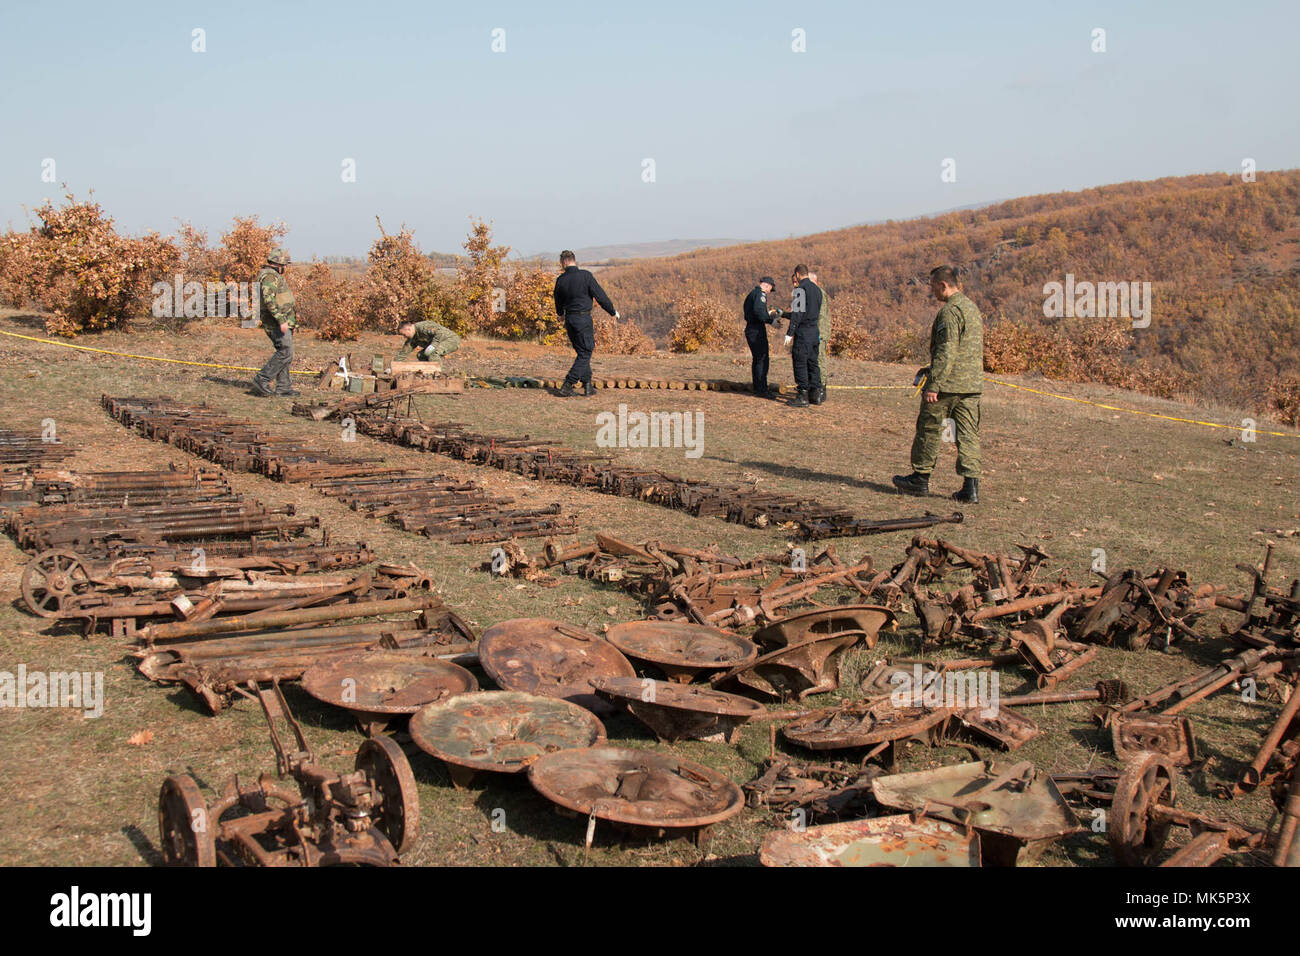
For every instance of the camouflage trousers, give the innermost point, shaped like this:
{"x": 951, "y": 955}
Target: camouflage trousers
{"x": 964, "y": 411}
{"x": 274, "y": 375}
{"x": 824, "y": 348}
{"x": 444, "y": 343}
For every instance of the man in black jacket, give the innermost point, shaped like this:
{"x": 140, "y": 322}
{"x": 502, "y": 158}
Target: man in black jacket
{"x": 574, "y": 291}
{"x": 802, "y": 336}
{"x": 757, "y": 319}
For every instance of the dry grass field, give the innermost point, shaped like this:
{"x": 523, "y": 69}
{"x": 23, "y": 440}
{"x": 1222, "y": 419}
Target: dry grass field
{"x": 1068, "y": 477}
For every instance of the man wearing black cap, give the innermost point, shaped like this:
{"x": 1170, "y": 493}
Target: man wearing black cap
{"x": 757, "y": 319}
{"x": 574, "y": 291}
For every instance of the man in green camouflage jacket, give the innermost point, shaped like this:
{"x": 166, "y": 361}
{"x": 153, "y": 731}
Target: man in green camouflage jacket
{"x": 279, "y": 318}
{"x": 952, "y": 383}
{"x": 429, "y": 340}
{"x": 824, "y": 341}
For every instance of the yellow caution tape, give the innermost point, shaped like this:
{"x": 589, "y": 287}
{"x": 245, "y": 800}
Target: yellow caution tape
{"x": 1134, "y": 411}
{"x": 148, "y": 358}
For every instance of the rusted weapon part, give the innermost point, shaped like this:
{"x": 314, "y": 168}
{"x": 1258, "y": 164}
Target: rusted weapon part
{"x": 363, "y": 818}
{"x": 902, "y": 840}
{"x": 863, "y": 620}
{"x": 817, "y": 790}
{"x": 1253, "y": 663}
{"x": 838, "y": 526}
{"x": 1286, "y": 795}
{"x": 637, "y": 788}
{"x": 1091, "y": 788}
{"x": 1132, "y": 610}
{"x": 215, "y": 667}
{"x": 1143, "y": 812}
{"x": 1270, "y": 616}
{"x": 1168, "y": 735}
{"x": 322, "y": 410}
{"x": 678, "y": 712}
{"x": 383, "y": 686}
{"x": 500, "y": 731}
{"x": 52, "y": 581}
{"x": 681, "y": 650}
{"x": 540, "y": 656}
{"x": 1108, "y": 692}
{"x": 1003, "y": 728}
{"x": 1018, "y": 811}
{"x": 23, "y": 448}
{"x": 878, "y": 725}
{"x": 1279, "y": 753}
{"x": 809, "y": 666}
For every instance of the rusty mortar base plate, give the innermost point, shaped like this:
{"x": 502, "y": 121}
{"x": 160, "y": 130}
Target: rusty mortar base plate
{"x": 881, "y": 841}
{"x": 1167, "y": 734}
{"x": 501, "y": 731}
{"x": 382, "y": 684}
{"x": 680, "y": 649}
{"x": 539, "y": 656}
{"x": 809, "y": 666}
{"x": 865, "y": 620}
{"x": 679, "y": 711}
{"x": 637, "y": 788}
{"x": 866, "y": 723}
{"x": 1016, "y": 820}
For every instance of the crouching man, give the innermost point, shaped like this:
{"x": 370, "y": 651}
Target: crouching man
{"x": 428, "y": 340}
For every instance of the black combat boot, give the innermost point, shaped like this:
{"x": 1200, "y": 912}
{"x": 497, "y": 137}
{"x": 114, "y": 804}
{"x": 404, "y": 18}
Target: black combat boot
{"x": 567, "y": 390}
{"x": 821, "y": 395}
{"x": 913, "y": 484}
{"x": 969, "y": 493}
{"x": 800, "y": 399}
{"x": 815, "y": 396}
{"x": 589, "y": 389}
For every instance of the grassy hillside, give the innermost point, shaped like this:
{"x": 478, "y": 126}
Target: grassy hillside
{"x": 1222, "y": 257}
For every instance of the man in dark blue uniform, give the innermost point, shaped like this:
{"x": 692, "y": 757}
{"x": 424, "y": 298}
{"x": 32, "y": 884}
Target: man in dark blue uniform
{"x": 575, "y": 290}
{"x": 757, "y": 318}
{"x": 802, "y": 337}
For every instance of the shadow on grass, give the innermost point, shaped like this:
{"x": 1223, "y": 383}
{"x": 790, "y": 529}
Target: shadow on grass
{"x": 143, "y": 845}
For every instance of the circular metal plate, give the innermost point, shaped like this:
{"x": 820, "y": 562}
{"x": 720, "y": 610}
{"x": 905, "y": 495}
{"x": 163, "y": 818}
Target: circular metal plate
{"x": 880, "y": 841}
{"x": 539, "y": 656}
{"x": 678, "y": 644}
{"x": 636, "y": 787}
{"x": 502, "y": 731}
{"x": 386, "y": 682}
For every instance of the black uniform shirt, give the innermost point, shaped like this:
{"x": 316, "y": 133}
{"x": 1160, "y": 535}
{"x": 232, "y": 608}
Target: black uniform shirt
{"x": 574, "y": 290}
{"x": 756, "y": 307}
{"x": 805, "y": 319}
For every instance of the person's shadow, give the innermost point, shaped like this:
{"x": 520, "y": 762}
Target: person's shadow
{"x": 807, "y": 474}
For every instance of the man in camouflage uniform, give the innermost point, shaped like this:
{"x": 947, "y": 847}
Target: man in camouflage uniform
{"x": 429, "y": 340}
{"x": 824, "y": 338}
{"x": 952, "y": 382}
{"x": 279, "y": 318}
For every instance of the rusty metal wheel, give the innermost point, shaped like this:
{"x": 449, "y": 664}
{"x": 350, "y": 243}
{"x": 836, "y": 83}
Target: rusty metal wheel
{"x": 384, "y": 763}
{"x": 184, "y": 830}
{"x": 51, "y": 580}
{"x": 1135, "y": 832}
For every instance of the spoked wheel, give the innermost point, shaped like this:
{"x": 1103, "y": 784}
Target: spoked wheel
{"x": 1136, "y": 836}
{"x": 184, "y": 829}
{"x": 383, "y": 761}
{"x": 52, "y": 580}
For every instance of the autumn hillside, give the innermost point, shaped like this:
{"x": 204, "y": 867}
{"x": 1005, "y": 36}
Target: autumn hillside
{"x": 1222, "y": 257}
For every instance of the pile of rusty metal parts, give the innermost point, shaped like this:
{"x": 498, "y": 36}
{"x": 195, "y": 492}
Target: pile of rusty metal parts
{"x": 543, "y": 460}
{"x": 447, "y": 508}
{"x": 344, "y": 408}
{"x": 453, "y": 510}
{"x": 28, "y": 448}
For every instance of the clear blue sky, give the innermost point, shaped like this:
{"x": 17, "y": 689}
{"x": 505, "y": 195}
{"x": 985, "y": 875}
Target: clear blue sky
{"x": 750, "y": 140}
